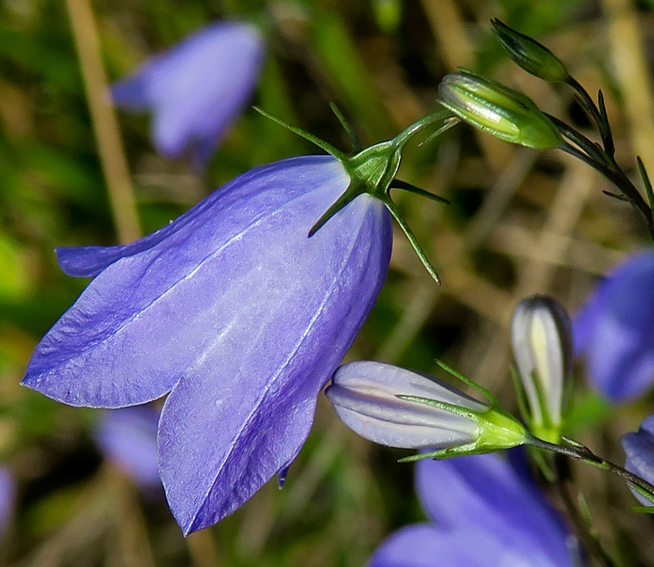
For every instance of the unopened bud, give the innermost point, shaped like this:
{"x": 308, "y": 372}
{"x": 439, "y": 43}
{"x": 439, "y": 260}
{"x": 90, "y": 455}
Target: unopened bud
{"x": 541, "y": 336}
{"x": 399, "y": 408}
{"x": 532, "y": 56}
{"x": 503, "y": 112}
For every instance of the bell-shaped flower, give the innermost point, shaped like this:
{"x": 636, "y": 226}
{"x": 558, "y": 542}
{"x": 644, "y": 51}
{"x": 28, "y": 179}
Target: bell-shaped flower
{"x": 481, "y": 511}
{"x": 399, "y": 408}
{"x": 498, "y": 110}
{"x": 614, "y": 330}
{"x": 541, "y": 336}
{"x": 128, "y": 439}
{"x": 196, "y": 89}
{"x": 236, "y": 312}
{"x": 639, "y": 449}
{"x": 531, "y": 55}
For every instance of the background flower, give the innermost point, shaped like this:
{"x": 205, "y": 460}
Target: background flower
{"x": 128, "y": 438}
{"x": 7, "y": 499}
{"x": 615, "y": 332}
{"x": 196, "y": 90}
{"x": 482, "y": 512}
{"x": 639, "y": 449}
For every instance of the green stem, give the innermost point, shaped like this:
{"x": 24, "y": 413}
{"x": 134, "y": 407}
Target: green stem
{"x": 444, "y": 116}
{"x": 591, "y": 107}
{"x": 582, "y": 453}
{"x": 599, "y": 160}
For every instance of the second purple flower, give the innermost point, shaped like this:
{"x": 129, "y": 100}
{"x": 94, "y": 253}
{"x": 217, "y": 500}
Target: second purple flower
{"x": 196, "y": 89}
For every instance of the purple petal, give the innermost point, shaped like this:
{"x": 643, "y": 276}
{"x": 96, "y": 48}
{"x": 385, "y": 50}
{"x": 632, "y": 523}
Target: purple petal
{"x": 196, "y": 89}
{"x": 615, "y": 333}
{"x": 290, "y": 307}
{"x": 7, "y": 499}
{"x": 639, "y": 448}
{"x": 119, "y": 344}
{"x": 484, "y": 491}
{"x": 128, "y": 438}
{"x": 465, "y": 546}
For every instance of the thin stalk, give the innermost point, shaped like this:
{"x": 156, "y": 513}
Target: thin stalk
{"x": 584, "y": 529}
{"x": 591, "y": 107}
{"x": 105, "y": 125}
{"x": 606, "y": 165}
{"x": 585, "y": 455}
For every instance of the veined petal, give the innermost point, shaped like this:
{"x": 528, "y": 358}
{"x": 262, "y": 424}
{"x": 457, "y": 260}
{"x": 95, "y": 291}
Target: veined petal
{"x": 146, "y": 319}
{"x": 290, "y": 307}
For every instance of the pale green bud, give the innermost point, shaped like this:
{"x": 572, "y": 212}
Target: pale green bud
{"x": 503, "y": 112}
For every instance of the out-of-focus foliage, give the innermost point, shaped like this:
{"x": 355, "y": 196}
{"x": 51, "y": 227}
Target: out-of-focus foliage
{"x": 520, "y": 222}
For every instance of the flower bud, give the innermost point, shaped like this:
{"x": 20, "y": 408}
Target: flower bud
{"x": 532, "y": 56}
{"x": 541, "y": 336}
{"x": 498, "y": 110}
{"x": 399, "y": 408}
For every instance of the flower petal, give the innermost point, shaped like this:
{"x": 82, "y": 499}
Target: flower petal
{"x": 147, "y": 318}
{"x": 639, "y": 448}
{"x": 614, "y": 330}
{"x": 290, "y": 307}
{"x": 484, "y": 491}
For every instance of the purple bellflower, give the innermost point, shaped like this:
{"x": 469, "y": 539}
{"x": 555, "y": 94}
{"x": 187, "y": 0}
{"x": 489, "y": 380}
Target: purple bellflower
{"x": 196, "y": 89}
{"x": 481, "y": 512}
{"x": 639, "y": 448}
{"x": 237, "y": 313}
{"x": 128, "y": 438}
{"x": 615, "y": 330}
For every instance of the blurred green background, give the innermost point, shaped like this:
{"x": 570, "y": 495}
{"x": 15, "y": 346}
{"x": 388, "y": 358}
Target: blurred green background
{"x": 521, "y": 222}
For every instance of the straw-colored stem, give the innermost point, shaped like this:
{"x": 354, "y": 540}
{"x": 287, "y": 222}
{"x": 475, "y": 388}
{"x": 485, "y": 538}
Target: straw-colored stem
{"x": 105, "y": 126}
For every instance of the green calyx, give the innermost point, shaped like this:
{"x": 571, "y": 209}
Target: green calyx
{"x": 497, "y": 429}
{"x": 372, "y": 170}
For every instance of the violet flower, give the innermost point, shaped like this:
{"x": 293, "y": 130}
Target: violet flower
{"x": 639, "y": 449}
{"x": 237, "y": 313}
{"x": 615, "y": 330}
{"x": 481, "y": 512}
{"x": 196, "y": 90}
{"x": 128, "y": 438}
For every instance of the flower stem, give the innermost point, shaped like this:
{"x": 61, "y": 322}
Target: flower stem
{"x": 580, "y": 452}
{"x": 601, "y": 161}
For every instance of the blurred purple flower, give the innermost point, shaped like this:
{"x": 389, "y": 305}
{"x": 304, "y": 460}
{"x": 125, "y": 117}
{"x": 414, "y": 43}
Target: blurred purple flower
{"x": 128, "y": 438}
{"x": 615, "y": 330}
{"x": 7, "y": 499}
{"x": 233, "y": 310}
{"x": 482, "y": 512}
{"x": 196, "y": 90}
{"x": 639, "y": 448}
